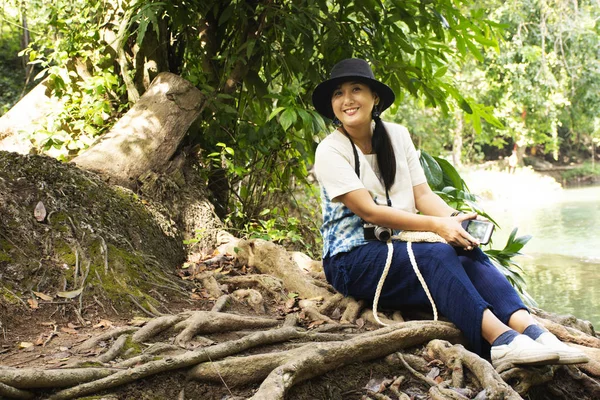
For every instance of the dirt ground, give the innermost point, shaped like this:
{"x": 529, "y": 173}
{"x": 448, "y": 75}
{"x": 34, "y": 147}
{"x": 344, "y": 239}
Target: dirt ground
{"x": 46, "y": 334}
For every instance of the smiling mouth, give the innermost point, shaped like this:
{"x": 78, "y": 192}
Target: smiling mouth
{"x": 351, "y": 110}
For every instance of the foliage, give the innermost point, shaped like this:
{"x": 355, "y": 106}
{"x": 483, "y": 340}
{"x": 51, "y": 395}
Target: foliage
{"x": 447, "y": 182}
{"x": 77, "y": 62}
{"x": 12, "y": 74}
{"x": 586, "y": 170}
{"x": 503, "y": 259}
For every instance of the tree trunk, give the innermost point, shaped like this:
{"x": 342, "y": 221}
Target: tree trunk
{"x": 23, "y": 118}
{"x": 458, "y": 142}
{"x": 147, "y": 137}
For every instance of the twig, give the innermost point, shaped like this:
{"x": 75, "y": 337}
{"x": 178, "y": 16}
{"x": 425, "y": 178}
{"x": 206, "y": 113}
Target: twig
{"x": 147, "y": 312}
{"x": 416, "y": 373}
{"x": 52, "y": 334}
{"x": 104, "y": 250}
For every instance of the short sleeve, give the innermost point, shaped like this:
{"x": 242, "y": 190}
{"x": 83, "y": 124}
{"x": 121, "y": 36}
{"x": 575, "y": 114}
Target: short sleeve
{"x": 334, "y": 170}
{"x": 417, "y": 175}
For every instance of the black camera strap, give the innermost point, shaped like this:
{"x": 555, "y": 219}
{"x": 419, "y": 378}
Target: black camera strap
{"x": 357, "y": 165}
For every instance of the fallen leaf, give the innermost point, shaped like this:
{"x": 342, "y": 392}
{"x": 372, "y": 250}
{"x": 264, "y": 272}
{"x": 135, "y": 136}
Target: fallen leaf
{"x": 139, "y": 321}
{"x": 71, "y": 294}
{"x": 316, "y": 323}
{"x": 33, "y": 303}
{"x": 43, "y": 296}
{"x": 103, "y": 323}
{"x": 336, "y": 314}
{"x": 196, "y": 296}
{"x": 25, "y": 345}
{"x": 40, "y": 340}
{"x": 360, "y": 322}
{"x": 73, "y": 326}
{"x": 40, "y": 212}
{"x": 69, "y": 330}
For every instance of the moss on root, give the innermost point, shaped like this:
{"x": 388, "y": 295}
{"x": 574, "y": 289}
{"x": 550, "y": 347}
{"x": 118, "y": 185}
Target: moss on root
{"x": 93, "y": 236}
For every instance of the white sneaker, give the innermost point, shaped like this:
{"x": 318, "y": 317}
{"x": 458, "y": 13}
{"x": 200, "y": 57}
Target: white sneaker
{"x": 523, "y": 351}
{"x": 567, "y": 354}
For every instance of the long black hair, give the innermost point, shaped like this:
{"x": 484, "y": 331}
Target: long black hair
{"x": 382, "y": 145}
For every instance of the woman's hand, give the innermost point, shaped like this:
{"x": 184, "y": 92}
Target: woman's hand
{"x": 450, "y": 228}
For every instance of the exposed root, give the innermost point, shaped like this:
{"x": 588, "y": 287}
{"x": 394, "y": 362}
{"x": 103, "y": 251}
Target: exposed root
{"x": 94, "y": 341}
{"x": 221, "y": 303}
{"x": 272, "y": 259}
{"x": 486, "y": 375}
{"x": 156, "y": 326}
{"x": 352, "y": 311}
{"x": 312, "y": 312}
{"x": 251, "y": 297}
{"x": 325, "y": 357}
{"x": 14, "y": 393}
{"x": 211, "y": 285}
{"x": 272, "y": 285}
{"x": 523, "y": 379}
{"x": 181, "y": 361}
{"x": 212, "y": 322}
{"x": 31, "y": 378}
{"x": 114, "y": 350}
{"x": 331, "y": 303}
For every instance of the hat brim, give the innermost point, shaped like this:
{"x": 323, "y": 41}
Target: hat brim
{"x": 321, "y": 96}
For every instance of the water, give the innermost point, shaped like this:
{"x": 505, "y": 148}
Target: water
{"x": 563, "y": 257}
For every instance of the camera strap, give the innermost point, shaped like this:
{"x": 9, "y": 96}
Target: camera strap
{"x": 357, "y": 165}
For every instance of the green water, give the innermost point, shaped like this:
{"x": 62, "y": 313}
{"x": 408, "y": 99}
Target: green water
{"x": 563, "y": 257}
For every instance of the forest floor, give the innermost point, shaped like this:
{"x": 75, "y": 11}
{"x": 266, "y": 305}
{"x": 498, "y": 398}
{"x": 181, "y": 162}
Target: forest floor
{"x": 46, "y": 335}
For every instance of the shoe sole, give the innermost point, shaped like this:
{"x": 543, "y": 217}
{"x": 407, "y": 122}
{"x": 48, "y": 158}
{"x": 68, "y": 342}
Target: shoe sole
{"x": 535, "y": 359}
{"x": 573, "y": 359}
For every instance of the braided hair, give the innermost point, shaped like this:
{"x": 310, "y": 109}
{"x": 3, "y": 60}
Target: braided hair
{"x": 382, "y": 145}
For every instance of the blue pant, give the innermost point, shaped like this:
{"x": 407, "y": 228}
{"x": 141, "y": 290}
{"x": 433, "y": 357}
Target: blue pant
{"x": 462, "y": 283}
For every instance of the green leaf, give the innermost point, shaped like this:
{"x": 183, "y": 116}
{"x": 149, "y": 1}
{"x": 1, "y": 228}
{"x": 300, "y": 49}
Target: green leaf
{"x": 288, "y": 118}
{"x": 432, "y": 169}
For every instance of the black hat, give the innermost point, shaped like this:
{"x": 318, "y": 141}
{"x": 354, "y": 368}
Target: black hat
{"x": 347, "y": 70}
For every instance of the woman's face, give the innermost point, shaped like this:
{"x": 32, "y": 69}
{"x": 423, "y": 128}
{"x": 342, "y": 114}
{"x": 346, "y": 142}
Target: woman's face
{"x": 352, "y": 104}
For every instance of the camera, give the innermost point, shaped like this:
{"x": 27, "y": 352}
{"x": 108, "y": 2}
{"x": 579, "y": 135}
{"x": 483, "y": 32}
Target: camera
{"x": 374, "y": 232}
{"x": 480, "y": 230}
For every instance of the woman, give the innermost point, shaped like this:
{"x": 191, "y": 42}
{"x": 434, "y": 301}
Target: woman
{"x": 369, "y": 173}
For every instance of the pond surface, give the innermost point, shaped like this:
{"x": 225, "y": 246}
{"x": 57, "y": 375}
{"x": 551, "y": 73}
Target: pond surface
{"x": 563, "y": 256}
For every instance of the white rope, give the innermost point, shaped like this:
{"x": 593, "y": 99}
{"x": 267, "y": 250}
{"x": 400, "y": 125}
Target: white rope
{"x": 409, "y": 237}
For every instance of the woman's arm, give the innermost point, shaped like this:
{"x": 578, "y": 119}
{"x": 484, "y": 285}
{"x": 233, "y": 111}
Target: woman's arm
{"x": 429, "y": 203}
{"x": 361, "y": 203}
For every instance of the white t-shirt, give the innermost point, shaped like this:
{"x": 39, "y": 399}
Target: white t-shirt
{"x": 334, "y": 166}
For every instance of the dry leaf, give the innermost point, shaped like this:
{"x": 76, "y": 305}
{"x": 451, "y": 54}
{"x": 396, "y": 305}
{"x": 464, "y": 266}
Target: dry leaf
{"x": 43, "y": 296}
{"x": 196, "y": 296}
{"x": 25, "y": 345}
{"x": 71, "y": 294}
{"x": 360, "y": 323}
{"x": 138, "y": 321}
{"x": 40, "y": 340}
{"x": 69, "y": 330}
{"x": 33, "y": 303}
{"x": 104, "y": 323}
{"x": 40, "y": 212}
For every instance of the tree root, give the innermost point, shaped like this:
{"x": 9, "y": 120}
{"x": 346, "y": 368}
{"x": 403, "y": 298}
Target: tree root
{"x": 272, "y": 259}
{"x": 31, "y": 378}
{"x": 211, "y": 322}
{"x": 487, "y": 376}
{"x": 114, "y": 350}
{"x": 156, "y": 326}
{"x": 352, "y": 311}
{"x": 14, "y": 393}
{"x": 181, "y": 361}
{"x": 251, "y": 297}
{"x": 221, "y": 303}
{"x": 328, "y": 356}
{"x": 570, "y": 335}
{"x": 524, "y": 379}
{"x": 94, "y": 341}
